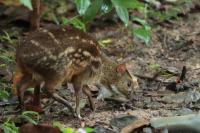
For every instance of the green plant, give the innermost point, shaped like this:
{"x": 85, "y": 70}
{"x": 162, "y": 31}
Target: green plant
{"x": 71, "y": 130}
{"x": 5, "y": 90}
{"x": 9, "y": 127}
{"x": 6, "y": 37}
{"x": 88, "y": 9}
{"x": 164, "y": 15}
{"x": 88, "y": 130}
{"x": 155, "y": 67}
{"x": 62, "y": 128}
{"x": 82, "y": 6}
{"x": 27, "y": 3}
{"x": 5, "y": 57}
{"x": 30, "y": 116}
{"x": 5, "y": 87}
{"x": 4, "y": 95}
{"x": 171, "y": 12}
{"x": 143, "y": 32}
{"x": 158, "y": 69}
{"x": 77, "y": 23}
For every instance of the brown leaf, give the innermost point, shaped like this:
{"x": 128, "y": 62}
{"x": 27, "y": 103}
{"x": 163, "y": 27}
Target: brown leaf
{"x": 134, "y": 125}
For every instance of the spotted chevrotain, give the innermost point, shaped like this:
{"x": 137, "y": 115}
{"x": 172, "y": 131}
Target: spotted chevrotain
{"x": 56, "y": 56}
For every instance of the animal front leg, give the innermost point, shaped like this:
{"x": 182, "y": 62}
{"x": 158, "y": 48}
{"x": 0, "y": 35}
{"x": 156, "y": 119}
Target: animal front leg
{"x": 77, "y": 95}
{"x": 78, "y": 113}
{"x": 87, "y": 92}
{"x": 78, "y": 88}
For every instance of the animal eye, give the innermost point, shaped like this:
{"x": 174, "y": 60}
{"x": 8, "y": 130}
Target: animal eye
{"x": 129, "y": 83}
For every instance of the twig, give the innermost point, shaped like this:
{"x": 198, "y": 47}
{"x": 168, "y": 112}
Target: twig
{"x": 136, "y": 124}
{"x": 150, "y": 78}
{"x": 12, "y": 112}
{"x": 11, "y": 103}
{"x": 35, "y": 15}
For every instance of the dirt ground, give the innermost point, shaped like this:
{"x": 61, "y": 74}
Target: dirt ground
{"x": 172, "y": 47}
{"x": 174, "y": 44}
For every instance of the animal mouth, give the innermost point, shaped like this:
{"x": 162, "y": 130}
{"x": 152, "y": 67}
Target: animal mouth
{"x": 112, "y": 94}
{"x": 118, "y": 96}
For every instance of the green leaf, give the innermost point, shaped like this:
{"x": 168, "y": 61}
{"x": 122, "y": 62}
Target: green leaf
{"x": 106, "y": 7}
{"x": 9, "y": 127}
{"x": 142, "y": 22}
{"x": 154, "y": 66}
{"x": 30, "y": 113}
{"x": 30, "y": 120}
{"x": 57, "y": 124}
{"x": 133, "y": 4}
{"x": 6, "y": 37}
{"x": 4, "y": 95}
{"x": 122, "y": 12}
{"x": 92, "y": 11}
{"x": 29, "y": 116}
{"x": 143, "y": 34}
{"x": 89, "y": 130}
{"x": 30, "y": 90}
{"x": 77, "y": 23}
{"x": 67, "y": 130}
{"x": 62, "y": 128}
{"x": 27, "y": 3}
{"x": 82, "y": 6}
{"x": 6, "y": 59}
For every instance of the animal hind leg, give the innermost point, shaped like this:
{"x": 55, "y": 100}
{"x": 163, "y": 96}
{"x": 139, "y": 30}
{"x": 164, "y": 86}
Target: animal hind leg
{"x": 36, "y": 105}
{"x": 50, "y": 91}
{"x": 23, "y": 85}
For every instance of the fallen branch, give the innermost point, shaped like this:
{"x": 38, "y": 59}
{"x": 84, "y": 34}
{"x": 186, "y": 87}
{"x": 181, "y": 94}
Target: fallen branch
{"x": 134, "y": 125}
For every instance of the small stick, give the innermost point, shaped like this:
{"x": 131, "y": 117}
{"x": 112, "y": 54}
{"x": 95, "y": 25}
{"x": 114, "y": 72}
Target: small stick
{"x": 35, "y": 15}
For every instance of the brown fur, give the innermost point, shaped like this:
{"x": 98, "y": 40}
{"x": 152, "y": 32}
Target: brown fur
{"x": 66, "y": 55}
{"x": 30, "y": 128}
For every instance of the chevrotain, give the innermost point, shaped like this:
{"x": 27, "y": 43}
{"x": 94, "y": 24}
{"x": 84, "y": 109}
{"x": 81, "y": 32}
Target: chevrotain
{"x": 66, "y": 55}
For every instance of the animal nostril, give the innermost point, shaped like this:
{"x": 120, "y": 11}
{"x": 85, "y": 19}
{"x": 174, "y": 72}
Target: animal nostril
{"x": 130, "y": 95}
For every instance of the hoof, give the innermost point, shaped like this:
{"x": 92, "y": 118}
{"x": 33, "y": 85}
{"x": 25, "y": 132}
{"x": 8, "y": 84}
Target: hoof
{"x": 79, "y": 117}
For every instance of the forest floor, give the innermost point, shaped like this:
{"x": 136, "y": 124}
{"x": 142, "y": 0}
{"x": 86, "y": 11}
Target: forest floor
{"x": 174, "y": 44}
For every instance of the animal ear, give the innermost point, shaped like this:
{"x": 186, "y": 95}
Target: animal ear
{"x": 121, "y": 68}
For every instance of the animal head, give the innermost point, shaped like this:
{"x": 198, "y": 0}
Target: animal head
{"x": 120, "y": 85}
{"x": 124, "y": 83}
{"x": 118, "y": 80}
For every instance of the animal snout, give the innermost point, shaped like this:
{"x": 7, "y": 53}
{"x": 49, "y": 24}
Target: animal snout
{"x": 130, "y": 94}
